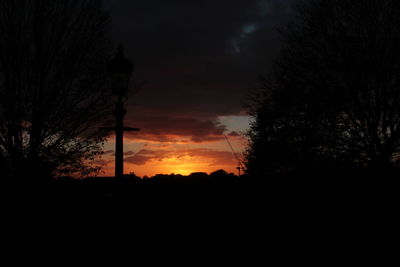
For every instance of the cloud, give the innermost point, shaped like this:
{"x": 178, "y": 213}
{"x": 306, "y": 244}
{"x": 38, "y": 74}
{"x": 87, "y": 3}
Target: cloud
{"x": 108, "y": 152}
{"x": 146, "y": 155}
{"x": 213, "y": 157}
{"x": 234, "y": 134}
{"x": 173, "y": 129}
{"x": 199, "y": 59}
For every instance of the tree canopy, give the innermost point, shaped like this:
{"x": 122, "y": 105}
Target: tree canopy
{"x": 53, "y": 87}
{"x": 332, "y": 98}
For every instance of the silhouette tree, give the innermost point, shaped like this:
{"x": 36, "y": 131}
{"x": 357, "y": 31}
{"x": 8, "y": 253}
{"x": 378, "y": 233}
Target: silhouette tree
{"x": 332, "y": 97}
{"x": 53, "y": 93}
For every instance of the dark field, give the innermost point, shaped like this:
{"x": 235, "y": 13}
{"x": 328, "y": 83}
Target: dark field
{"x": 320, "y": 220}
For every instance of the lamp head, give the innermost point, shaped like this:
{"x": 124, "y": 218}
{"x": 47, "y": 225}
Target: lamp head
{"x": 120, "y": 70}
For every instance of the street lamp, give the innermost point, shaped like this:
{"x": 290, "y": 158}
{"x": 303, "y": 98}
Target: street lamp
{"x": 120, "y": 70}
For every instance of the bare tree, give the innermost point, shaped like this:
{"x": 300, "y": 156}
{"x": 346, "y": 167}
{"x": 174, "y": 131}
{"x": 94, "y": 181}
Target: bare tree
{"x": 52, "y": 85}
{"x": 334, "y": 93}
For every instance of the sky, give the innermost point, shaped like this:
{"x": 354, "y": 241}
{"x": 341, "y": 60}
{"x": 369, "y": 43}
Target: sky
{"x": 195, "y": 64}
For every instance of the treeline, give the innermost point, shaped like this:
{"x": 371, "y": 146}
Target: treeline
{"x": 208, "y": 190}
{"x": 196, "y": 189}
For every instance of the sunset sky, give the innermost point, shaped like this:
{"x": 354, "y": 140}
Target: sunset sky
{"x": 197, "y": 61}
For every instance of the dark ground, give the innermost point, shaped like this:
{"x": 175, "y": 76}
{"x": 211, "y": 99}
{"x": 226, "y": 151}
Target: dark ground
{"x": 323, "y": 220}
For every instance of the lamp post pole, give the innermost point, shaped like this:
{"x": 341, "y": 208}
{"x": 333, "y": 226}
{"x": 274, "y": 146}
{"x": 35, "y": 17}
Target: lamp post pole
{"x": 120, "y": 70}
{"x": 119, "y": 113}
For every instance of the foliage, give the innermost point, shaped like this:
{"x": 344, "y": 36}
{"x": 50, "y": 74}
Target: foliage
{"x": 332, "y": 97}
{"x": 53, "y": 93}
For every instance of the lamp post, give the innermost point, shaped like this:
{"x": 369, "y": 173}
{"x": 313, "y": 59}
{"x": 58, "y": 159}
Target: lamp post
{"x": 120, "y": 70}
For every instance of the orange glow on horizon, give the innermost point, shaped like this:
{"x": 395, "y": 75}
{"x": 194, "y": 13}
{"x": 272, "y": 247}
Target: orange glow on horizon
{"x": 183, "y": 165}
{"x": 149, "y": 155}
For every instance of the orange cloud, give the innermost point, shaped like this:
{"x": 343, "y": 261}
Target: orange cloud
{"x": 213, "y": 157}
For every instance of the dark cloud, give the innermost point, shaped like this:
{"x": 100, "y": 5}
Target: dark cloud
{"x": 146, "y": 155}
{"x": 168, "y": 128}
{"x": 199, "y": 58}
{"x": 233, "y": 134}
